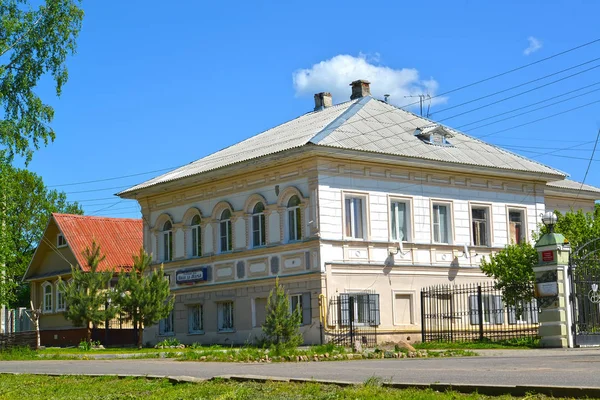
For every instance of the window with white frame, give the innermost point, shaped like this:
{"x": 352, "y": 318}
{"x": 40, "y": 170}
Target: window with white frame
{"x": 301, "y": 301}
{"x": 195, "y": 319}
{"x": 362, "y": 307}
{"x": 61, "y": 304}
{"x": 259, "y": 237}
{"x": 225, "y": 233}
{"x": 355, "y": 217}
{"x": 441, "y": 223}
{"x": 225, "y": 316}
{"x": 294, "y": 219}
{"x": 480, "y": 221}
{"x": 167, "y": 236}
{"x": 196, "y": 236}
{"x": 399, "y": 220}
{"x": 492, "y": 309}
{"x": 516, "y": 221}
{"x": 47, "y": 293}
{"x": 166, "y": 326}
{"x": 60, "y": 240}
{"x": 523, "y": 312}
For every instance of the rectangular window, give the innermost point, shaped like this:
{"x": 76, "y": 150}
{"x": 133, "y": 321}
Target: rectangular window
{"x": 294, "y": 226}
{"x": 399, "y": 220}
{"x": 480, "y": 219}
{"x": 355, "y": 217}
{"x": 166, "y": 326}
{"x": 196, "y": 241}
{"x": 60, "y": 297}
{"x": 441, "y": 223}
{"x": 195, "y": 319}
{"x": 258, "y": 230}
{"x": 225, "y": 316}
{"x": 168, "y": 246}
{"x": 60, "y": 240}
{"x": 226, "y": 236}
{"x": 524, "y": 312}
{"x": 47, "y": 290}
{"x": 515, "y": 226}
{"x": 492, "y": 308}
{"x": 302, "y": 301}
{"x": 260, "y": 311}
{"x": 362, "y": 308}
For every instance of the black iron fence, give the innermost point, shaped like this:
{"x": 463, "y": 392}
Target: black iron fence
{"x": 352, "y": 320}
{"x": 471, "y": 312}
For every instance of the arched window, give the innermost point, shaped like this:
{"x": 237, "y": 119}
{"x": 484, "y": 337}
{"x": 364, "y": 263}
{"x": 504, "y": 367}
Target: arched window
{"x": 47, "y": 293}
{"x": 196, "y": 237}
{"x": 258, "y": 225}
{"x": 294, "y": 220}
{"x": 167, "y": 235}
{"x": 225, "y": 231}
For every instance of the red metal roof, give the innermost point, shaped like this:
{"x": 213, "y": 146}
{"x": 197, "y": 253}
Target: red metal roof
{"x": 118, "y": 238}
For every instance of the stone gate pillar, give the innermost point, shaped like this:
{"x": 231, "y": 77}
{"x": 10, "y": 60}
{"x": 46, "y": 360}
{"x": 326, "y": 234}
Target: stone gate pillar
{"x": 552, "y": 290}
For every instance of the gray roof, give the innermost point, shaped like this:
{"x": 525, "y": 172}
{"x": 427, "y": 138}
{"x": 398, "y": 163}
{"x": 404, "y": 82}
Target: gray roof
{"x": 573, "y": 185}
{"x": 364, "y": 124}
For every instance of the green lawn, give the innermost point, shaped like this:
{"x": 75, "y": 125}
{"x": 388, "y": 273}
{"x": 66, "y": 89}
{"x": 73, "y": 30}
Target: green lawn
{"x": 78, "y": 387}
{"x": 520, "y": 343}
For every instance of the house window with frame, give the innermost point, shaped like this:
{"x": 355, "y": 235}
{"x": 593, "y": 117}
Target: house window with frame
{"x": 354, "y": 219}
{"x": 365, "y": 308}
{"x": 302, "y": 301}
{"x": 195, "y": 319}
{"x": 523, "y": 312}
{"x": 515, "y": 226}
{"x": 167, "y": 235}
{"x": 480, "y": 220}
{"x": 399, "y": 220}
{"x": 166, "y": 326}
{"x": 196, "y": 236}
{"x": 492, "y": 309}
{"x": 441, "y": 223}
{"x": 294, "y": 219}
{"x": 225, "y": 233}
{"x": 225, "y": 316}
{"x": 47, "y": 293}
{"x": 259, "y": 236}
{"x": 61, "y": 304}
{"x": 60, "y": 240}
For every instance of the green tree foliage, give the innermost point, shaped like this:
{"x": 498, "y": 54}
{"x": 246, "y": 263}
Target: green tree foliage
{"x": 578, "y": 227}
{"x": 512, "y": 268}
{"x": 281, "y": 327}
{"x": 24, "y": 212}
{"x": 35, "y": 40}
{"x": 87, "y": 295}
{"x": 143, "y": 295}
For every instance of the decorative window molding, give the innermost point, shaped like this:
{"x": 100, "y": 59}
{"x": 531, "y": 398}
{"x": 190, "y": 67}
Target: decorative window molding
{"x": 167, "y": 241}
{"x": 196, "y": 233}
{"x": 47, "y": 297}
{"x": 294, "y": 219}
{"x": 61, "y": 304}
{"x": 259, "y": 234}
{"x": 61, "y": 241}
{"x": 225, "y": 232}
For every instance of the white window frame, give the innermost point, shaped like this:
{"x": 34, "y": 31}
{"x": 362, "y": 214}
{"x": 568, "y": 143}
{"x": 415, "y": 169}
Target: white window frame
{"x": 196, "y": 239}
{"x": 408, "y": 217}
{"x": 493, "y": 309}
{"x": 61, "y": 241}
{"x": 450, "y": 221}
{"x": 262, "y": 226}
{"x": 524, "y": 230}
{"x": 191, "y": 309}
{"x": 488, "y": 222}
{"x": 411, "y": 295}
{"x": 225, "y": 224}
{"x": 293, "y": 224}
{"x": 220, "y": 317}
{"x": 355, "y": 293}
{"x": 364, "y": 198}
{"x": 162, "y": 325}
{"x": 60, "y": 296}
{"x": 48, "y": 298}
{"x": 167, "y": 243}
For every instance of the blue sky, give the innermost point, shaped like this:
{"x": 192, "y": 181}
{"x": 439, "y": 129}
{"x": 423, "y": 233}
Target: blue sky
{"x": 154, "y": 86}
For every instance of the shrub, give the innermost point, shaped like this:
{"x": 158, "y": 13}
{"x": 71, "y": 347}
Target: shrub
{"x": 168, "y": 342}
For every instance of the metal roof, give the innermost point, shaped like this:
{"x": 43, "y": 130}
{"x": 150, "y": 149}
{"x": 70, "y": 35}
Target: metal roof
{"x": 364, "y": 124}
{"x": 569, "y": 184}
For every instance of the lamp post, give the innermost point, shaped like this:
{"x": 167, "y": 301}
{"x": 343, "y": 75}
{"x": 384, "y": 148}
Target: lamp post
{"x": 549, "y": 219}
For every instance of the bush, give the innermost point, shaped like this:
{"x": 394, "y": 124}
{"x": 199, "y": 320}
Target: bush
{"x": 169, "y": 342}
{"x": 87, "y": 346}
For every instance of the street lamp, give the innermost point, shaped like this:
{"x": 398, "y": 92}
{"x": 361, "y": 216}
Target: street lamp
{"x": 549, "y": 219}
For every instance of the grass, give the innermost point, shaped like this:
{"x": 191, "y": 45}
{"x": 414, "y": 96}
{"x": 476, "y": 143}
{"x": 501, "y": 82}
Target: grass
{"x": 518, "y": 343}
{"x": 80, "y": 387}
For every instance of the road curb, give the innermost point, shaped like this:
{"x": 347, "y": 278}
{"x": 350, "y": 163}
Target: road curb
{"x": 491, "y": 390}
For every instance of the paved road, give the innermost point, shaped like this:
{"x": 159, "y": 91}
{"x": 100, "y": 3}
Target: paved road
{"x": 574, "y": 368}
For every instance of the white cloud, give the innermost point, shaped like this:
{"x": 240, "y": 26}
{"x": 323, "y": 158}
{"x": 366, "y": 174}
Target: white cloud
{"x": 534, "y": 45}
{"x": 334, "y": 76}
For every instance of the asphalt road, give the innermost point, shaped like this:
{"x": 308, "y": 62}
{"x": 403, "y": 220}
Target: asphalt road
{"x": 573, "y": 368}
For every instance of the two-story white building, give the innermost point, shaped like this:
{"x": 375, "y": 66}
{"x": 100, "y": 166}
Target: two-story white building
{"x": 358, "y": 198}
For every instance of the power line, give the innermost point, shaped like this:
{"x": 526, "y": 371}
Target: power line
{"x": 589, "y": 165}
{"x": 117, "y": 177}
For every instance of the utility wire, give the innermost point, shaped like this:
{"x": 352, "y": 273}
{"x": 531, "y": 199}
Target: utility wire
{"x": 588, "y": 167}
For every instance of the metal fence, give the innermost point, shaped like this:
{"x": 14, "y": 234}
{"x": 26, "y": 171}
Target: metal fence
{"x": 353, "y": 319}
{"x": 471, "y": 312}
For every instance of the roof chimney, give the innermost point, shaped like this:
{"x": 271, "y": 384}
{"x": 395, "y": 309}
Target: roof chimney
{"x": 360, "y": 88}
{"x": 323, "y": 100}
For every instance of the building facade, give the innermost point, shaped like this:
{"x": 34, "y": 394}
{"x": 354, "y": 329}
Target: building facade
{"x": 359, "y": 200}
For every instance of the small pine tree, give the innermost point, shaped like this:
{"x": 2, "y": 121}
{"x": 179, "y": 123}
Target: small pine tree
{"x": 146, "y": 298}
{"x": 87, "y": 294}
{"x": 281, "y": 327}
